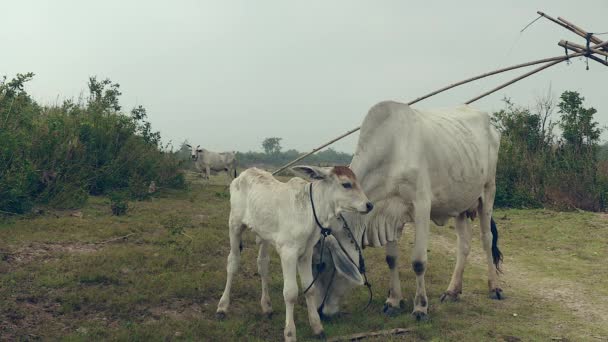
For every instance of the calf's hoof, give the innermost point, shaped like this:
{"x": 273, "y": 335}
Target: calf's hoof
{"x": 449, "y": 296}
{"x": 420, "y": 316}
{"x": 220, "y": 315}
{"x": 497, "y": 294}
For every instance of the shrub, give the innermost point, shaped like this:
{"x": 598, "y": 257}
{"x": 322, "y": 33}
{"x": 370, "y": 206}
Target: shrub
{"x": 58, "y": 155}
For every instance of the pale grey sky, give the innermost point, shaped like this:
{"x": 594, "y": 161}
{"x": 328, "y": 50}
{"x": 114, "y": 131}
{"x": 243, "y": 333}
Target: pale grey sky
{"x": 225, "y": 74}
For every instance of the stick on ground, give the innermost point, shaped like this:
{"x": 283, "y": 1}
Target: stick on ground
{"x": 115, "y": 239}
{"x": 361, "y": 336}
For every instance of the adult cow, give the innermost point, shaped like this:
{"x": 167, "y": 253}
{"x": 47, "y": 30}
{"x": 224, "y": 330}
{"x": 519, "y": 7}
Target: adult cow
{"x": 417, "y": 166}
{"x": 207, "y": 161}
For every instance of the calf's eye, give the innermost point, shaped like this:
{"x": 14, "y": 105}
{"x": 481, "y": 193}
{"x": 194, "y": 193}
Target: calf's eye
{"x": 347, "y": 185}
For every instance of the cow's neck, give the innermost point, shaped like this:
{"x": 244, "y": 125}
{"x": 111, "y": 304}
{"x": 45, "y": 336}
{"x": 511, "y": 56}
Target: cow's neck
{"x": 323, "y": 207}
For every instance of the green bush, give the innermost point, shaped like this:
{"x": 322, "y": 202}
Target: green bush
{"x": 536, "y": 168}
{"x": 58, "y": 155}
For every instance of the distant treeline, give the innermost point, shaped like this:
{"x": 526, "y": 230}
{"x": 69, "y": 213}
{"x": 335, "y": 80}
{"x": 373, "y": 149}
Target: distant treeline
{"x": 60, "y": 154}
{"x": 278, "y": 158}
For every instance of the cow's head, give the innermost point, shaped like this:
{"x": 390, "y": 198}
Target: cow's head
{"x": 339, "y": 188}
{"x": 335, "y": 281}
{"x": 194, "y": 151}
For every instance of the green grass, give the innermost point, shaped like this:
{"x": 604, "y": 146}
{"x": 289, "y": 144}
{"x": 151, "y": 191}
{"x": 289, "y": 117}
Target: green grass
{"x": 64, "y": 277}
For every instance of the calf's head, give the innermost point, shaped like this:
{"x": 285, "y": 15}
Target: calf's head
{"x": 338, "y": 187}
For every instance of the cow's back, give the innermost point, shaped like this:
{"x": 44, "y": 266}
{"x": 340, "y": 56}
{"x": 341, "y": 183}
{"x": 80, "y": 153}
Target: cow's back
{"x": 402, "y": 150}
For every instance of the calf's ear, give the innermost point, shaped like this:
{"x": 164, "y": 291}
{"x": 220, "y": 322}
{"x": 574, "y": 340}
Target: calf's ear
{"x": 312, "y": 172}
{"x": 342, "y": 263}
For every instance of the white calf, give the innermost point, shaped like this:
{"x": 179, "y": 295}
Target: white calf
{"x": 289, "y": 215}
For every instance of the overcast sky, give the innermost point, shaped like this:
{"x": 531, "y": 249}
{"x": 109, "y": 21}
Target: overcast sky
{"x": 225, "y": 74}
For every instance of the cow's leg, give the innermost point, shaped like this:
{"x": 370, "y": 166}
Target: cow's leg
{"x": 289, "y": 260}
{"x": 207, "y": 172}
{"x": 234, "y": 258}
{"x": 305, "y": 271}
{"x": 463, "y": 231}
{"x": 394, "y": 303}
{"x": 492, "y": 253}
{"x": 263, "y": 270}
{"x": 422, "y": 210}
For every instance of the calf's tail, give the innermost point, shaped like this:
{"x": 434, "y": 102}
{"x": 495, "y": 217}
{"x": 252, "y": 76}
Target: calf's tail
{"x": 496, "y": 254}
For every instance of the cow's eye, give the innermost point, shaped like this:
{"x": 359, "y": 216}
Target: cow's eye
{"x": 347, "y": 185}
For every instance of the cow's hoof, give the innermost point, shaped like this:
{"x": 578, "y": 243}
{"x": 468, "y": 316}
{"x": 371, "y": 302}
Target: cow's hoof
{"x": 393, "y": 311}
{"x": 220, "y": 315}
{"x": 420, "y": 316}
{"x": 497, "y": 294}
{"x": 321, "y": 336}
{"x": 449, "y": 296}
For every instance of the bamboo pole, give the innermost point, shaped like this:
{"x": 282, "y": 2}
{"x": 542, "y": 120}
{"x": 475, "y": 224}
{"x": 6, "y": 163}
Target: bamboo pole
{"x": 571, "y": 27}
{"x": 515, "y": 80}
{"x": 593, "y": 38}
{"x": 550, "y": 59}
{"x": 592, "y": 49}
{"x": 581, "y": 50}
{"x": 315, "y": 150}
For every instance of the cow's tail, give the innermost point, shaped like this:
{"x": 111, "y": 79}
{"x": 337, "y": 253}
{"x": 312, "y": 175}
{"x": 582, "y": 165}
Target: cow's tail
{"x": 496, "y": 254}
{"x": 235, "y": 172}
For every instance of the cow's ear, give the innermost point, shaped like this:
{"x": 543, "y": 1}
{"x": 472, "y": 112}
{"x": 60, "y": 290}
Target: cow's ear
{"x": 342, "y": 263}
{"x": 188, "y": 145}
{"x": 312, "y": 172}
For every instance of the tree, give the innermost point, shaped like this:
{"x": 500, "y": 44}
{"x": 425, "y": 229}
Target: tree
{"x": 580, "y": 132}
{"x": 272, "y": 145}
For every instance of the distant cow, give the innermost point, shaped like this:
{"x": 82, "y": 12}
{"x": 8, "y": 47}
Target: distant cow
{"x": 290, "y": 217}
{"x": 207, "y": 161}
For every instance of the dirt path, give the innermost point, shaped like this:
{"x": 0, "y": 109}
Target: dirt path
{"x": 580, "y": 301}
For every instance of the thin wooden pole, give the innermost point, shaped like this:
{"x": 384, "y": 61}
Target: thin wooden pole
{"x": 571, "y": 27}
{"x": 551, "y": 59}
{"x": 316, "y": 149}
{"x": 582, "y": 33}
{"x": 515, "y": 80}
{"x": 581, "y": 50}
{"x": 565, "y": 43}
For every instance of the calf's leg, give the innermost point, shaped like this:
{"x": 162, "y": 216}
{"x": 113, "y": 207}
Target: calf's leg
{"x": 263, "y": 270}
{"x": 289, "y": 260}
{"x": 232, "y": 267}
{"x": 305, "y": 271}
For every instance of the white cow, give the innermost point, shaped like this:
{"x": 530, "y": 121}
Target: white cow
{"x": 288, "y": 216}
{"x": 417, "y": 166}
{"x": 207, "y": 161}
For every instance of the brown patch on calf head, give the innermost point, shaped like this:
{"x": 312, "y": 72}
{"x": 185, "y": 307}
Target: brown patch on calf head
{"x": 344, "y": 171}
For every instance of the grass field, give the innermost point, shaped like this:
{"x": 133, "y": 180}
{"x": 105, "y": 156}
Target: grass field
{"x": 158, "y": 272}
